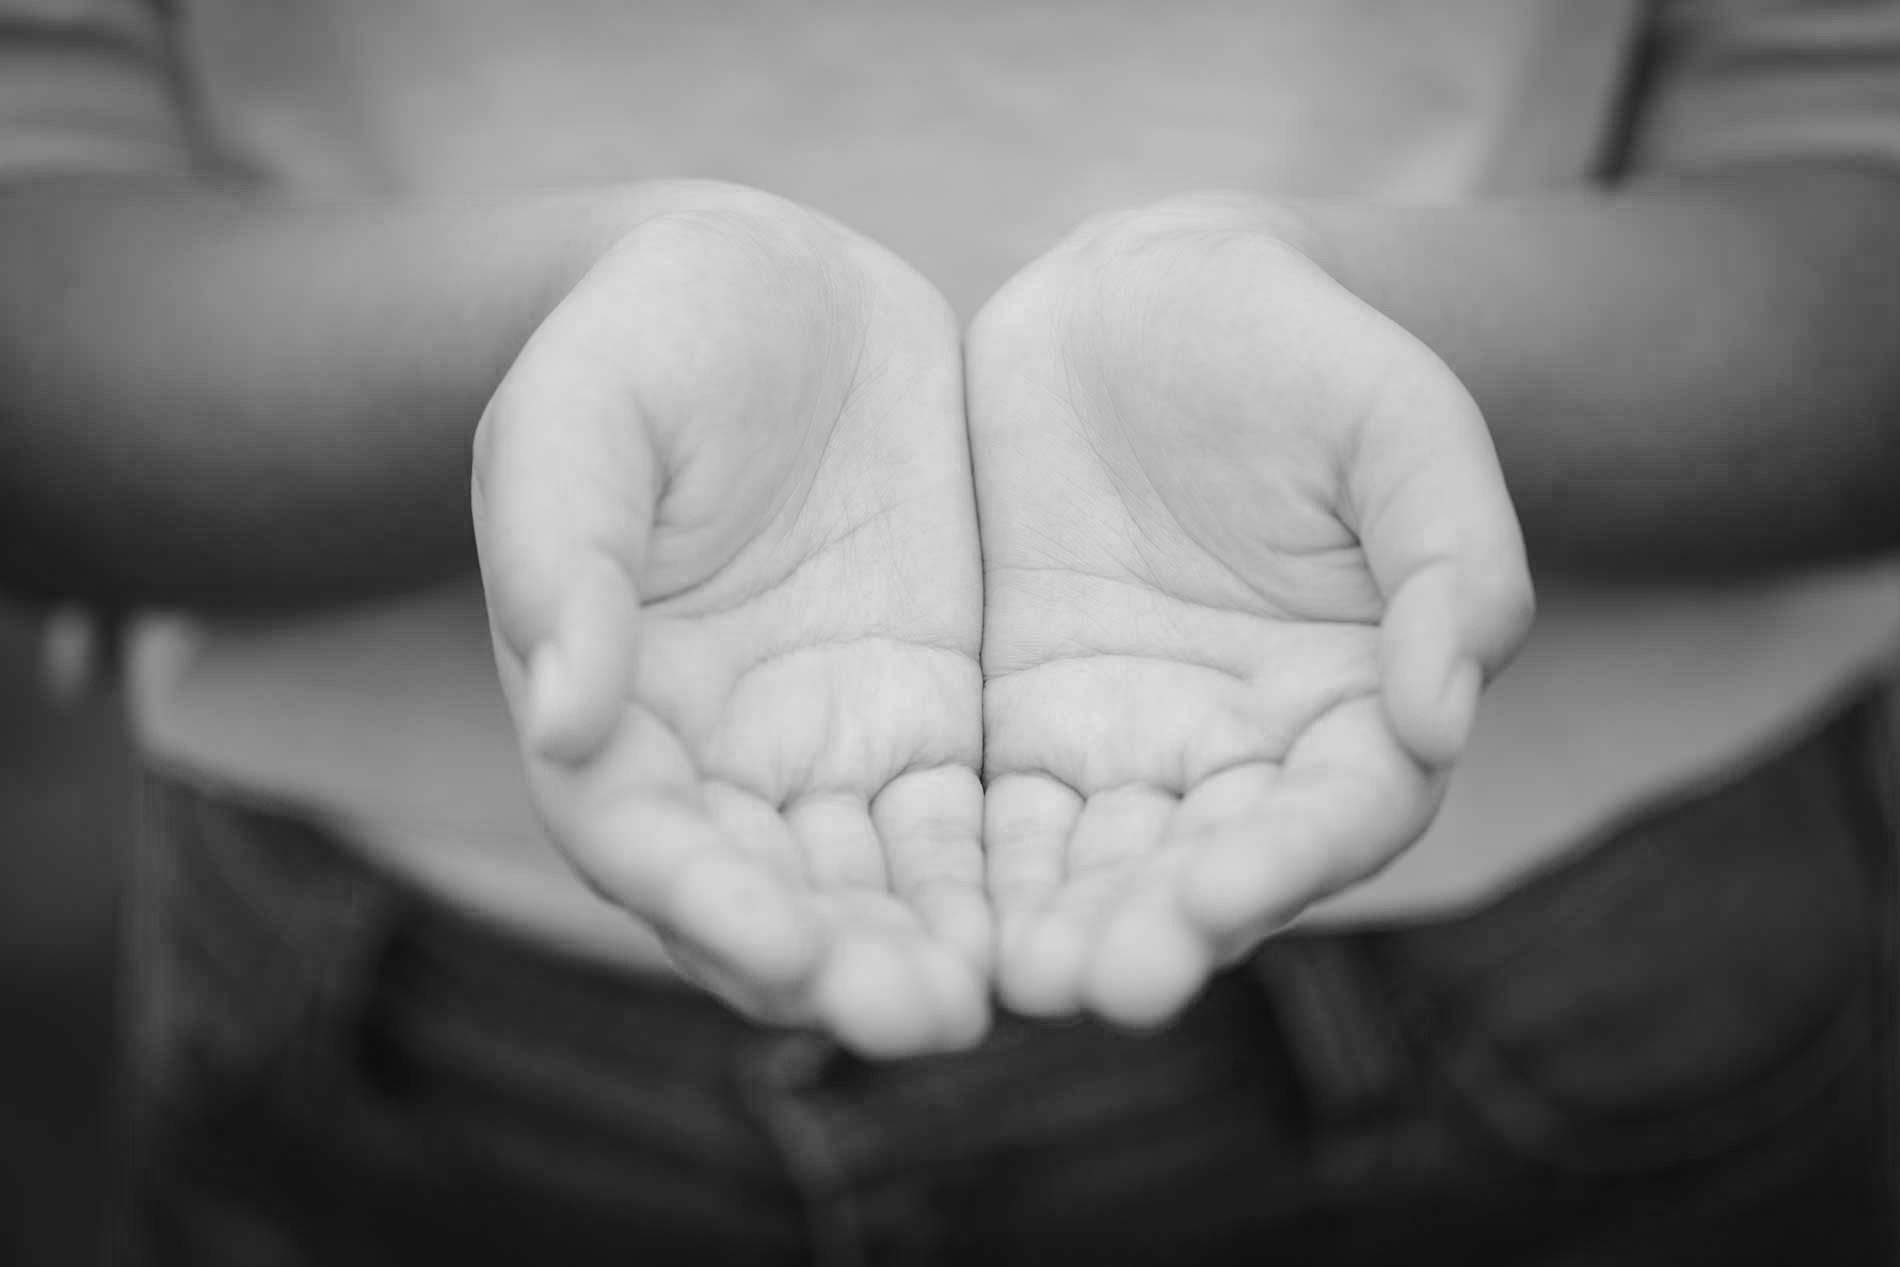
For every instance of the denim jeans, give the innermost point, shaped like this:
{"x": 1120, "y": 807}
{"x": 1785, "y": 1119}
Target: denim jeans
{"x": 1678, "y": 1049}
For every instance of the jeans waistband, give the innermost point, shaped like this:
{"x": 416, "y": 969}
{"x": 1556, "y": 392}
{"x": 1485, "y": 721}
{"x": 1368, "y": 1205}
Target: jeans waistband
{"x": 336, "y": 957}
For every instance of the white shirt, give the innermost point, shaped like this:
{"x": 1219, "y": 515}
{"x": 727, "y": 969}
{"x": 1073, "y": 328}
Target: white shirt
{"x": 967, "y": 137}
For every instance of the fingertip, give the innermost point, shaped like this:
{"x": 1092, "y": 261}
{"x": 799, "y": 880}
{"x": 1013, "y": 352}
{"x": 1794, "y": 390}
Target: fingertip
{"x": 1040, "y": 964}
{"x": 867, "y": 999}
{"x": 747, "y": 921}
{"x": 1147, "y": 968}
{"x": 1225, "y": 888}
{"x": 962, "y": 998}
{"x": 579, "y": 675}
{"x": 1433, "y": 716}
{"x": 1422, "y": 663}
{"x": 1457, "y": 712}
{"x": 555, "y": 728}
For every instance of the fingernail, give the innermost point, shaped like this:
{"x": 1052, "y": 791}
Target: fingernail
{"x": 547, "y": 687}
{"x": 1458, "y": 707}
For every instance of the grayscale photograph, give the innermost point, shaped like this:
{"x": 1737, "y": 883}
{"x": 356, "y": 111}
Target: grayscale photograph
{"x": 907, "y": 633}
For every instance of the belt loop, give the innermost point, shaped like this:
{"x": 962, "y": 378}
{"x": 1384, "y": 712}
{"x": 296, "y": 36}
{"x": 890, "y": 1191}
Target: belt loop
{"x": 1332, "y": 1014}
{"x": 1883, "y": 750}
{"x": 1880, "y": 756}
{"x": 322, "y": 923}
{"x": 782, "y": 1080}
{"x": 348, "y": 976}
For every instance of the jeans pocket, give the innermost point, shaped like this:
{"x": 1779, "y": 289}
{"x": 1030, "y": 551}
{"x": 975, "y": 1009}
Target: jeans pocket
{"x": 241, "y": 948}
{"x": 1699, "y": 977}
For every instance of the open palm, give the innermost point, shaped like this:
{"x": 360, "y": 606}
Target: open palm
{"x": 1248, "y": 560}
{"x": 724, "y": 508}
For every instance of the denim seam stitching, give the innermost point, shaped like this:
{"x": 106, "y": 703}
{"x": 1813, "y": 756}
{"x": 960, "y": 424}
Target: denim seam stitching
{"x": 1631, "y": 824}
{"x": 1497, "y": 1095}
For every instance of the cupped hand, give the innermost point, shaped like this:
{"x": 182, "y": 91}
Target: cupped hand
{"x": 723, "y": 504}
{"x": 1249, "y": 560}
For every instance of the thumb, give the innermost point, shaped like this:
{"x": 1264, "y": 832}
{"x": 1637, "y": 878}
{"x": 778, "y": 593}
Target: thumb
{"x": 1443, "y": 543}
{"x": 565, "y": 483}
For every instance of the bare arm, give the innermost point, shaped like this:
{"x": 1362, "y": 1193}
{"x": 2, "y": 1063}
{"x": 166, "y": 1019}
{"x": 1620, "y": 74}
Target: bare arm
{"x": 1695, "y": 376}
{"x": 219, "y": 398}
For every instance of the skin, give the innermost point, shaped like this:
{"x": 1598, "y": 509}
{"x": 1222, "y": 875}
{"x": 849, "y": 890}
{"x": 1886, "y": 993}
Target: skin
{"x": 1248, "y": 559}
{"x": 724, "y": 512}
{"x": 1687, "y": 377}
{"x": 1264, "y": 661}
{"x": 757, "y": 573}
{"x": 1228, "y": 669}
{"x": 232, "y": 400}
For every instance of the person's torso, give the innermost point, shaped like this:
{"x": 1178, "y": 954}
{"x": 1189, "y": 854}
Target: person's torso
{"x": 968, "y": 138}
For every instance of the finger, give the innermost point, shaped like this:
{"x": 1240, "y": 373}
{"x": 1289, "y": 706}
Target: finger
{"x": 1222, "y": 800}
{"x": 863, "y": 912}
{"x": 931, "y": 823}
{"x": 872, "y": 997}
{"x": 944, "y": 1003}
{"x": 1348, "y": 801}
{"x": 1027, "y": 819}
{"x": 1442, "y": 540}
{"x": 1435, "y": 657}
{"x": 838, "y": 841}
{"x": 670, "y": 865}
{"x": 747, "y": 920}
{"x": 777, "y": 1008}
{"x": 577, "y": 677}
{"x": 1044, "y": 963}
{"x": 1089, "y": 901}
{"x": 1040, "y": 966}
{"x": 1149, "y": 961}
{"x": 633, "y": 824}
{"x": 1110, "y": 855}
{"x": 565, "y": 481}
{"x": 962, "y": 996}
{"x": 1117, "y": 825}
{"x": 753, "y": 826}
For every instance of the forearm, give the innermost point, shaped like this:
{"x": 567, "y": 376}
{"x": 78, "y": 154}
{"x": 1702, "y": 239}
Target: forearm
{"x": 1700, "y": 376}
{"x": 216, "y": 398}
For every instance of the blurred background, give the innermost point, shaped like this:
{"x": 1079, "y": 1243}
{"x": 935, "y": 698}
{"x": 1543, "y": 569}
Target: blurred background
{"x": 65, "y": 792}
